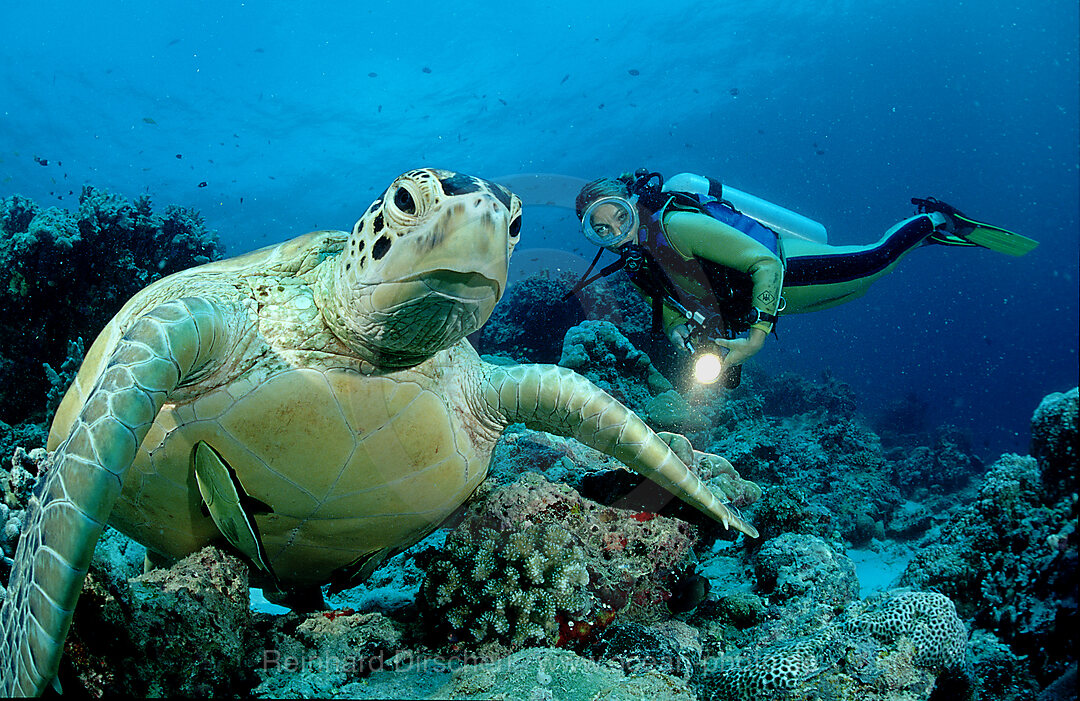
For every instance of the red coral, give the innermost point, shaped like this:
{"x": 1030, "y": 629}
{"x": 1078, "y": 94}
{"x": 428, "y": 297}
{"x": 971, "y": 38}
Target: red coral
{"x": 338, "y": 613}
{"x": 572, "y": 632}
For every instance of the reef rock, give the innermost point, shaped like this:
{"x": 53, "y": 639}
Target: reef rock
{"x": 794, "y": 565}
{"x": 315, "y": 655}
{"x": 182, "y": 631}
{"x": 559, "y": 675}
{"x": 600, "y": 352}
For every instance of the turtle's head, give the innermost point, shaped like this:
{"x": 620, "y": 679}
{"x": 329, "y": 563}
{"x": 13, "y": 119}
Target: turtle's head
{"x": 424, "y": 266}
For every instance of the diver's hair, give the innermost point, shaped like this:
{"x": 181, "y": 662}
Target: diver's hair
{"x": 604, "y": 187}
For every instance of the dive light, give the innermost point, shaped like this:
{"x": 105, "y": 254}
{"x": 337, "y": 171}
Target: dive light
{"x": 708, "y": 366}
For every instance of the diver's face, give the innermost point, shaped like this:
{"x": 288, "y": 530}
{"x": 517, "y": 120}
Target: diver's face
{"x": 610, "y": 221}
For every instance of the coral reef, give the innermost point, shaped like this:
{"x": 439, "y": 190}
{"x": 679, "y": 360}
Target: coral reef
{"x": 836, "y": 462}
{"x": 559, "y": 674}
{"x": 535, "y": 561}
{"x": 599, "y": 351}
{"x": 530, "y": 322}
{"x": 513, "y": 586}
{"x": 643, "y": 605}
{"x": 1054, "y": 444}
{"x": 902, "y": 640}
{"x": 64, "y": 274}
{"x": 1009, "y": 562}
{"x": 179, "y": 631}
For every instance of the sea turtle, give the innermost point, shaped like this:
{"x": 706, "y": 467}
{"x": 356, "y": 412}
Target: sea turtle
{"x": 314, "y": 403}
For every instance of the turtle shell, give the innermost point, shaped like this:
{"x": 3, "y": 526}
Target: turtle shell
{"x": 334, "y": 460}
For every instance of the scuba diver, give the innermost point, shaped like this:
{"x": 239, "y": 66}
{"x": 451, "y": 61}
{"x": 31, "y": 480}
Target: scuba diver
{"x": 715, "y": 262}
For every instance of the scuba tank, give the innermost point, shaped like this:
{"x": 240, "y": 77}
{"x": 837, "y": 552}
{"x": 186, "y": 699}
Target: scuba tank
{"x": 784, "y": 222}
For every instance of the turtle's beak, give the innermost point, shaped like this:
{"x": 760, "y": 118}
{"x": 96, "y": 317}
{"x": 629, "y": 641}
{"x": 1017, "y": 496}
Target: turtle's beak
{"x": 462, "y": 253}
{"x": 438, "y": 283}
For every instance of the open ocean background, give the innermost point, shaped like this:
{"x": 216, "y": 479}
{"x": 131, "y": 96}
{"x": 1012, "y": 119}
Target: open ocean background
{"x": 296, "y": 115}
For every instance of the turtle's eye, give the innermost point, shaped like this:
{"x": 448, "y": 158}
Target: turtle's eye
{"x": 404, "y": 201}
{"x": 515, "y": 227}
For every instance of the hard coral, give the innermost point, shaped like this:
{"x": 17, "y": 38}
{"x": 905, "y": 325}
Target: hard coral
{"x": 630, "y": 560}
{"x": 903, "y": 640}
{"x": 507, "y": 586}
{"x": 928, "y": 618}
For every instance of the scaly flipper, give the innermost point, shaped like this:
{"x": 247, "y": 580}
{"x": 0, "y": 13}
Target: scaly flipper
{"x": 69, "y": 510}
{"x": 557, "y": 400}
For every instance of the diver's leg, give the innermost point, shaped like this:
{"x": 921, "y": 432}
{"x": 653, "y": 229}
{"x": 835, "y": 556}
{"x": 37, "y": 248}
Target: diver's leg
{"x": 820, "y": 276}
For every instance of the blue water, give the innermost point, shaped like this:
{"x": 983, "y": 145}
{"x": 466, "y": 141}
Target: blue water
{"x": 296, "y": 114}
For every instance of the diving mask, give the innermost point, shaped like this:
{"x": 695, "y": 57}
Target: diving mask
{"x": 610, "y": 222}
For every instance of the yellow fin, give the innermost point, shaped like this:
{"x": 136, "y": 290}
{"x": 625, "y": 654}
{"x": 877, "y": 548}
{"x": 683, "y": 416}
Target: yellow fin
{"x": 219, "y": 492}
{"x": 995, "y": 238}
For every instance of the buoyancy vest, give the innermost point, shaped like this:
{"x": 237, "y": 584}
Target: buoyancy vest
{"x": 655, "y": 266}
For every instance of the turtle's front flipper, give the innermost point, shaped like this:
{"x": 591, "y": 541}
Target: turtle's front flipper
{"x": 70, "y": 507}
{"x": 553, "y": 399}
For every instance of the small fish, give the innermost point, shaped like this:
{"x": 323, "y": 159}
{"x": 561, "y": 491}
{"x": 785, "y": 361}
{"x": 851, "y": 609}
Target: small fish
{"x": 179, "y": 155}
{"x": 202, "y": 184}
{"x": 41, "y": 161}
{"x": 734, "y": 92}
{"x": 502, "y": 101}
{"x": 564, "y": 79}
{"x": 425, "y": 69}
{"x": 149, "y": 120}
{"x": 373, "y": 74}
{"x": 634, "y": 71}
{"x": 260, "y": 51}
{"x": 174, "y": 42}
{"x": 241, "y": 200}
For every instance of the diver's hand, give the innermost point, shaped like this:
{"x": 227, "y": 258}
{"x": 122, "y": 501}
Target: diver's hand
{"x": 679, "y": 335}
{"x": 742, "y": 349}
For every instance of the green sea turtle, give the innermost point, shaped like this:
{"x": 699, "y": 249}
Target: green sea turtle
{"x": 314, "y": 403}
